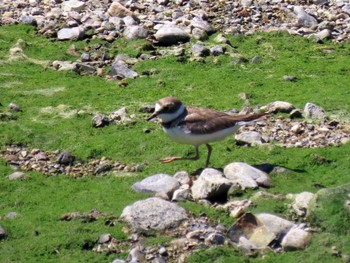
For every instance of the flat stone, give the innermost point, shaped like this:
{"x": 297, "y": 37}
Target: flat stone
{"x": 280, "y": 106}
{"x": 17, "y": 176}
{"x": 74, "y": 33}
{"x": 122, "y": 70}
{"x": 153, "y": 214}
{"x": 171, "y": 34}
{"x": 245, "y": 175}
{"x": 158, "y": 183}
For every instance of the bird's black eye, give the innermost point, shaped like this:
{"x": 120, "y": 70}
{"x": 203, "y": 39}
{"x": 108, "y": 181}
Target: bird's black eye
{"x": 166, "y": 108}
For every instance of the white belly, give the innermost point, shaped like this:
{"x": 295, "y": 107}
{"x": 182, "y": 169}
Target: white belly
{"x": 180, "y": 136}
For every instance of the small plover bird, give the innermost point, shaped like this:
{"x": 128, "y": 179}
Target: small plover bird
{"x": 196, "y": 126}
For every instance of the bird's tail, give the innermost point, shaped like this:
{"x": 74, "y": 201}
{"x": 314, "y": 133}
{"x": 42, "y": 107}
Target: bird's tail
{"x": 252, "y": 117}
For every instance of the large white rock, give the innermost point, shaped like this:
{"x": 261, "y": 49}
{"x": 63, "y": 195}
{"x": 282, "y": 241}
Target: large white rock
{"x": 211, "y": 183}
{"x": 153, "y": 214}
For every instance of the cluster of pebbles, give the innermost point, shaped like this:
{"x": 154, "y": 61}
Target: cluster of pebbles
{"x": 299, "y": 133}
{"x": 109, "y": 19}
{"x": 55, "y": 162}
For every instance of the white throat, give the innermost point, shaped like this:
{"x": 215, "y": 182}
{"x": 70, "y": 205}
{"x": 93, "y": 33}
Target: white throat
{"x": 168, "y": 117}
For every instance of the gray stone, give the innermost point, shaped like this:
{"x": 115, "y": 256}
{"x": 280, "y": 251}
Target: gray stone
{"x": 129, "y": 21}
{"x": 84, "y": 69}
{"x": 122, "y": 70}
{"x": 200, "y": 50}
{"x": 323, "y": 34}
{"x": 118, "y": 10}
{"x": 136, "y": 255}
{"x": 210, "y": 183}
{"x": 118, "y": 260}
{"x": 301, "y": 202}
{"x": 11, "y": 215}
{"x": 280, "y": 106}
{"x": 85, "y": 57}
{"x": 304, "y": 19}
{"x": 217, "y": 50}
{"x": 245, "y": 175}
{"x": 199, "y": 34}
{"x": 63, "y": 65}
{"x": 157, "y": 183}
{"x": 215, "y": 239}
{"x": 290, "y": 78}
{"x": 171, "y": 34}
{"x": 104, "y": 238}
{"x": 220, "y": 39}
{"x": 99, "y": 121}
{"x": 275, "y": 224}
{"x": 73, "y": 5}
{"x": 314, "y": 111}
{"x": 256, "y": 60}
{"x": 296, "y": 238}
{"x": 135, "y": 32}
{"x": 3, "y": 233}
{"x": 14, "y": 107}
{"x": 182, "y": 177}
{"x": 74, "y": 33}
{"x": 17, "y": 176}
{"x": 121, "y": 114}
{"x": 65, "y": 158}
{"x": 182, "y": 193}
{"x": 249, "y": 138}
{"x": 198, "y": 22}
{"x": 153, "y": 214}
{"x": 27, "y": 20}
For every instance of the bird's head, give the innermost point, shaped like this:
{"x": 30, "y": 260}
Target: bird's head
{"x": 167, "y": 109}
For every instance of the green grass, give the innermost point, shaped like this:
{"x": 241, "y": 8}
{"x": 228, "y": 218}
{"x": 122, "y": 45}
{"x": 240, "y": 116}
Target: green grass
{"x": 38, "y": 235}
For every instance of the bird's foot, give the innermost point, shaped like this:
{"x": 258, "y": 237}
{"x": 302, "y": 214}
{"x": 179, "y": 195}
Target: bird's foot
{"x": 170, "y": 159}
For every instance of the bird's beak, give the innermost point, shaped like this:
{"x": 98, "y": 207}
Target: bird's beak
{"x": 153, "y": 116}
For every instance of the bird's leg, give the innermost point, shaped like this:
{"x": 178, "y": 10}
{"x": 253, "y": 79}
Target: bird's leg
{"x": 171, "y": 159}
{"x": 208, "y": 156}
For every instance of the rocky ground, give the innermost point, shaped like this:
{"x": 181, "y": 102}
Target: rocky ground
{"x": 165, "y": 23}
{"x": 108, "y": 19}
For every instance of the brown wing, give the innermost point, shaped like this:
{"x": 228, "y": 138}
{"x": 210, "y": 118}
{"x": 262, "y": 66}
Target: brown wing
{"x": 199, "y": 120}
